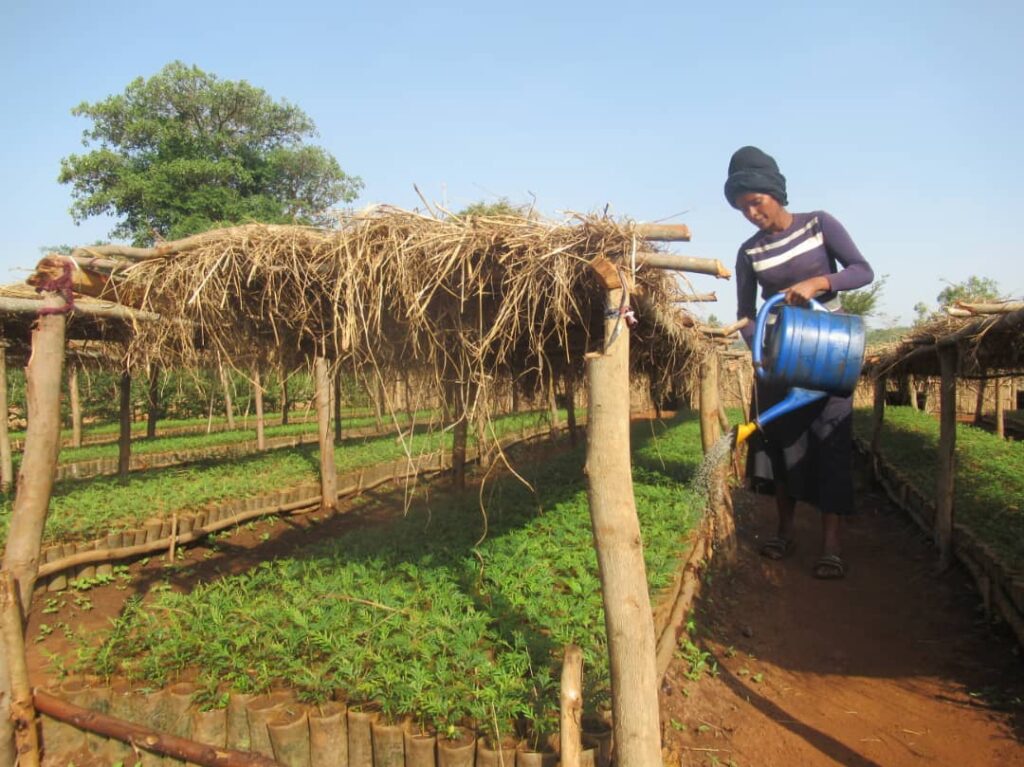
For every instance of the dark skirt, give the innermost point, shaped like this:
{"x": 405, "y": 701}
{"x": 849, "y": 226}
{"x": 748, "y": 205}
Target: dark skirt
{"x": 810, "y": 449}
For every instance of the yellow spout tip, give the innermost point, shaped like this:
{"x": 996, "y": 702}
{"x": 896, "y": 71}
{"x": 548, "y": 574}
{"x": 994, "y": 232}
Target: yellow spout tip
{"x": 743, "y": 432}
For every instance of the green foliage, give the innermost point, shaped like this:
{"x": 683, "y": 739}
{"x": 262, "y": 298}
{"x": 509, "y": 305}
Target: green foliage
{"x": 450, "y": 613}
{"x": 502, "y": 207}
{"x": 863, "y": 302}
{"x": 989, "y": 473}
{"x": 974, "y": 288}
{"x": 184, "y": 152}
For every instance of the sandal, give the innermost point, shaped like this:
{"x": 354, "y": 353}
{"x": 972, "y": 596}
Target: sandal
{"x": 777, "y": 548}
{"x": 829, "y": 567}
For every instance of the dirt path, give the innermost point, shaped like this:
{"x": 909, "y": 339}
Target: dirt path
{"x": 893, "y": 666}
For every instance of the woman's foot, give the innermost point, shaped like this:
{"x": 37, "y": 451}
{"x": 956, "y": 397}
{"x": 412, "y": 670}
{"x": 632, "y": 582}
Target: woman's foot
{"x": 830, "y": 567}
{"x": 777, "y": 548}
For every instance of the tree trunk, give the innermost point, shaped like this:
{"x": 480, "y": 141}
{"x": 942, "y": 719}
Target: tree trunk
{"x": 285, "y": 402}
{"x": 76, "y": 406}
{"x": 947, "y": 456}
{"x": 6, "y": 459}
{"x": 1000, "y": 419}
{"x": 261, "y": 437}
{"x": 628, "y": 618}
{"x": 979, "y": 403}
{"x": 229, "y": 408}
{"x": 153, "y": 401}
{"x": 328, "y": 474}
{"x": 571, "y": 707}
{"x": 124, "y": 441}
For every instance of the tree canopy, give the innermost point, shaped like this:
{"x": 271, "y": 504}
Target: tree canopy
{"x": 974, "y": 288}
{"x": 863, "y": 302}
{"x": 184, "y": 151}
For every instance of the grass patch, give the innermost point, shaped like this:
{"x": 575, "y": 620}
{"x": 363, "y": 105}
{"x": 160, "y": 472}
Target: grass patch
{"x": 989, "y": 495}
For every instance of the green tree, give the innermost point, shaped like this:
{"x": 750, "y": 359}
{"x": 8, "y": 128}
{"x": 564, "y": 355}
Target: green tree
{"x": 863, "y": 302}
{"x": 501, "y": 207}
{"x": 974, "y": 288}
{"x": 184, "y": 151}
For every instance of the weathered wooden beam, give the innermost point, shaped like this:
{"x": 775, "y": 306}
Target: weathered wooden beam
{"x": 696, "y": 298}
{"x": 677, "y": 263}
{"x": 664, "y": 232}
{"x": 89, "y": 309}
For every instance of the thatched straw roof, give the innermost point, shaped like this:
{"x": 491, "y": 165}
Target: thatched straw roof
{"x": 989, "y": 337}
{"x": 469, "y": 300}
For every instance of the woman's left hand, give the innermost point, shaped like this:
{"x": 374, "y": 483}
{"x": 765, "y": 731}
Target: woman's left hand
{"x": 804, "y": 291}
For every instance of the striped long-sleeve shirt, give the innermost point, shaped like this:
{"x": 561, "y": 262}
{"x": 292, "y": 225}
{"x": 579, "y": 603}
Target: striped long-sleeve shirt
{"x": 814, "y": 245}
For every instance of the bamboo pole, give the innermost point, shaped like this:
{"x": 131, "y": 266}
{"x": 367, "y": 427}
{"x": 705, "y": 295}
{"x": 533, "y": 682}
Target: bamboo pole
{"x": 617, "y": 539}
{"x": 947, "y": 455}
{"x": 76, "y": 406}
{"x": 124, "y": 440}
{"x": 229, "y": 408}
{"x": 257, "y": 386}
{"x": 145, "y": 738}
{"x": 571, "y": 707}
{"x": 6, "y": 457}
{"x": 20, "y": 711}
{"x": 328, "y": 473}
{"x": 153, "y": 401}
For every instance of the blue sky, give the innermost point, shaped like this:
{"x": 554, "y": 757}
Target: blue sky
{"x": 904, "y": 120}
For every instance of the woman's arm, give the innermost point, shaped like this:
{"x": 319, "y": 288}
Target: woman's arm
{"x": 856, "y": 271}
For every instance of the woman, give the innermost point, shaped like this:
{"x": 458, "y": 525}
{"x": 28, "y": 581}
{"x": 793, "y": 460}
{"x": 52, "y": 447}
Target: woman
{"x": 806, "y": 454}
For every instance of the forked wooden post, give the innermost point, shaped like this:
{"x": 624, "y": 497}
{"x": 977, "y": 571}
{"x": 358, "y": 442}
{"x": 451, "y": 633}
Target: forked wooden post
{"x": 76, "y": 405}
{"x": 43, "y": 378}
{"x": 21, "y": 711}
{"x": 124, "y": 439}
{"x": 571, "y": 708}
{"x": 947, "y": 455}
{"x": 6, "y": 458}
{"x": 629, "y": 621}
{"x": 328, "y": 473}
{"x": 257, "y": 392}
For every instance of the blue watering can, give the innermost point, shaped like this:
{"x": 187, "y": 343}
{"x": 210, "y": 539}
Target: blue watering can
{"x": 812, "y": 351}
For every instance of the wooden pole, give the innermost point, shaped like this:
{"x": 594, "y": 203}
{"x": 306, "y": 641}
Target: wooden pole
{"x": 20, "y": 711}
{"x": 710, "y": 434}
{"x": 571, "y": 708}
{"x": 6, "y": 457}
{"x": 285, "y": 402}
{"x": 144, "y": 738}
{"x": 336, "y": 405}
{"x": 979, "y": 403}
{"x": 1000, "y": 418}
{"x": 460, "y": 433}
{"x": 229, "y": 408}
{"x": 124, "y": 441}
{"x": 153, "y": 401}
{"x": 257, "y": 384}
{"x": 912, "y": 385}
{"x": 628, "y": 618}
{"x": 39, "y": 459}
{"x": 554, "y": 421}
{"x": 76, "y": 406}
{"x": 570, "y": 403}
{"x": 877, "y": 415}
{"x": 328, "y": 473}
{"x": 947, "y": 455}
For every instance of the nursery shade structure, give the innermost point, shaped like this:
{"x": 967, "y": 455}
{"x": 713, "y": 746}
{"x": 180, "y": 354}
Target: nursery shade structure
{"x": 462, "y": 302}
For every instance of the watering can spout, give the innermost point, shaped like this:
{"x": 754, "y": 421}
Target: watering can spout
{"x": 744, "y": 432}
{"x": 796, "y": 398}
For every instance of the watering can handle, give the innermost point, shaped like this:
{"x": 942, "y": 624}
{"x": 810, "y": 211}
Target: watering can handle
{"x": 757, "y": 348}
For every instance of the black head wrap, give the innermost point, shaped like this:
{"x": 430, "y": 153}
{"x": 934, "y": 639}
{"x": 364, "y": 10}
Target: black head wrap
{"x": 751, "y": 170}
